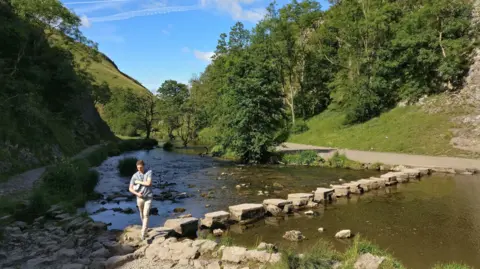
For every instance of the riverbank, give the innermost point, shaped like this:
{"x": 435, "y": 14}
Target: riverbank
{"x": 70, "y": 182}
{"x": 446, "y": 163}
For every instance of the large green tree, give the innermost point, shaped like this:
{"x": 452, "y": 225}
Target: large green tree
{"x": 172, "y": 95}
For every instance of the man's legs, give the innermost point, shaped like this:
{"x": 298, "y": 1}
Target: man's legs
{"x": 141, "y": 206}
{"x": 146, "y": 213}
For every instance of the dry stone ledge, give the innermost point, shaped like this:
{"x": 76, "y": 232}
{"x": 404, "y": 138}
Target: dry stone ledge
{"x": 276, "y": 202}
{"x": 341, "y": 190}
{"x": 246, "y": 212}
{"x": 368, "y": 261}
{"x": 218, "y": 218}
{"x": 234, "y": 254}
{"x": 323, "y": 194}
{"x": 300, "y": 199}
{"x": 183, "y": 227}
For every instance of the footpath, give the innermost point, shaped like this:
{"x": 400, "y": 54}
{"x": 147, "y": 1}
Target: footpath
{"x": 388, "y": 158}
{"x": 25, "y": 181}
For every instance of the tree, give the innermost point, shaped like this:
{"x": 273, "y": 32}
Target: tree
{"x": 101, "y": 94}
{"x": 253, "y": 109}
{"x": 147, "y": 111}
{"x": 172, "y": 95}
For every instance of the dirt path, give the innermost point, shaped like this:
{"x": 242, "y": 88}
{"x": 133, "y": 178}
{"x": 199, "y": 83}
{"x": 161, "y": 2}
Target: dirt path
{"x": 24, "y": 182}
{"x": 388, "y": 158}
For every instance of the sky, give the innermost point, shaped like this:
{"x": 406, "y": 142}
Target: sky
{"x": 157, "y": 40}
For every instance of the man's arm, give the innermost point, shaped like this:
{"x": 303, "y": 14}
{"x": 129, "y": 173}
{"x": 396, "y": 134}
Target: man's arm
{"x": 147, "y": 183}
{"x": 132, "y": 190}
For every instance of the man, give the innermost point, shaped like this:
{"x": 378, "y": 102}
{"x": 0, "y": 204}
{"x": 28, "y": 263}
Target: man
{"x": 141, "y": 186}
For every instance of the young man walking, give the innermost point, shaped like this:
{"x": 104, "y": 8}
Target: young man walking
{"x": 141, "y": 186}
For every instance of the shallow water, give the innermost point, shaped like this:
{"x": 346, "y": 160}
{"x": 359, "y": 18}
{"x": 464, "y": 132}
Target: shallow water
{"x": 433, "y": 220}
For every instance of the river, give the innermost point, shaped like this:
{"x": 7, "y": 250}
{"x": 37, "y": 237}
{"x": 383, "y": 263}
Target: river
{"x": 436, "y": 219}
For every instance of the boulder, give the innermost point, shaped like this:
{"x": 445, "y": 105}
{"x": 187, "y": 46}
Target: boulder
{"x": 212, "y": 265}
{"x": 276, "y": 202}
{"x": 183, "y": 227}
{"x": 293, "y": 235}
{"x": 273, "y": 210}
{"x": 368, "y": 261}
{"x": 322, "y": 195}
{"x": 343, "y": 234}
{"x": 218, "y": 232}
{"x": 246, "y": 212}
{"x": 300, "y": 199}
{"x": 205, "y": 245}
{"x": 65, "y": 253}
{"x": 267, "y": 246}
{"x": 234, "y": 254}
{"x": 218, "y": 218}
{"x": 275, "y": 257}
{"x": 100, "y": 253}
{"x": 261, "y": 256}
{"x": 117, "y": 261}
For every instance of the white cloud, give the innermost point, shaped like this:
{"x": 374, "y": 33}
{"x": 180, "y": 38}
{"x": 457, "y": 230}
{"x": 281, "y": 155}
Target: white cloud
{"x": 85, "y": 21}
{"x": 144, "y": 12}
{"x": 185, "y": 49}
{"x": 203, "y": 55}
{"x": 235, "y": 9}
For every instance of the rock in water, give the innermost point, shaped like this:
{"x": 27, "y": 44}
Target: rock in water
{"x": 321, "y": 229}
{"x": 273, "y": 210}
{"x": 344, "y": 234}
{"x": 294, "y": 235}
{"x": 218, "y": 232}
{"x": 287, "y": 209}
{"x": 179, "y": 210}
{"x": 368, "y": 261}
{"x": 309, "y": 213}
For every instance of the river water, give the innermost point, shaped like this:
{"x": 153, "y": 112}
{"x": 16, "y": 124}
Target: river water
{"x": 436, "y": 219}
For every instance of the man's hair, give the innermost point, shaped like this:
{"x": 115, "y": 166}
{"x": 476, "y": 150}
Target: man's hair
{"x": 140, "y": 162}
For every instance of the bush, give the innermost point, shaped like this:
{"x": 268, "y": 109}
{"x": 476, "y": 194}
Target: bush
{"x": 96, "y": 157}
{"x": 168, "y": 146}
{"x": 299, "y": 127}
{"x": 307, "y": 157}
{"x": 127, "y": 167}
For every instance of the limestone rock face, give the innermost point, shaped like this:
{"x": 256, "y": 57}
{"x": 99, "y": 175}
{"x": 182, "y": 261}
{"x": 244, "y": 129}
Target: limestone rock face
{"x": 368, "y": 261}
{"x": 294, "y": 235}
{"x": 343, "y": 234}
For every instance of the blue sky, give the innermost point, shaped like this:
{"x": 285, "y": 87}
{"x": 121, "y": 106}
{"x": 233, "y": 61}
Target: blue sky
{"x": 156, "y": 40}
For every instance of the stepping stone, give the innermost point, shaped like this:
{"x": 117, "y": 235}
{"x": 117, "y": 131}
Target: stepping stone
{"x": 183, "y": 227}
{"x": 341, "y": 190}
{"x": 246, "y": 212}
{"x": 276, "y": 202}
{"x": 215, "y": 218}
{"x": 323, "y": 194}
{"x": 412, "y": 173}
{"x": 300, "y": 199}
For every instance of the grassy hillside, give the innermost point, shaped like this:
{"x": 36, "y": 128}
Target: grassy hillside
{"x": 403, "y": 129}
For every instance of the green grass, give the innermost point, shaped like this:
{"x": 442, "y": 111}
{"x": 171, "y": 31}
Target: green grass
{"x": 127, "y": 166}
{"x": 403, "y": 129}
{"x": 452, "y": 266}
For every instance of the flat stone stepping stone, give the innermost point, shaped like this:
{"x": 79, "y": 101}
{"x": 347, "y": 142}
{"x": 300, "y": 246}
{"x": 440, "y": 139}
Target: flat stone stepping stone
{"x": 217, "y": 217}
{"x": 276, "y": 202}
{"x": 246, "y": 212}
{"x": 184, "y": 227}
{"x": 341, "y": 190}
{"x": 300, "y": 199}
{"x": 322, "y": 194}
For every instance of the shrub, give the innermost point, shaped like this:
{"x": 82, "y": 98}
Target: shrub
{"x": 307, "y": 157}
{"x": 168, "y": 146}
{"x": 299, "y": 127}
{"x": 96, "y": 157}
{"x": 127, "y": 166}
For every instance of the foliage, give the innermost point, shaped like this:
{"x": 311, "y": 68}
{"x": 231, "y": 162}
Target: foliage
{"x": 167, "y": 146}
{"x": 307, "y": 157}
{"x": 299, "y": 127}
{"x": 452, "y": 266}
{"x": 47, "y": 109}
{"x": 358, "y": 59}
{"x": 172, "y": 95}
{"x": 341, "y": 161}
{"x": 127, "y": 166}
{"x": 403, "y": 129}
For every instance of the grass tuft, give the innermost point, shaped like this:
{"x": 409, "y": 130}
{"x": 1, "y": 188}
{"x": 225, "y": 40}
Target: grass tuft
{"x": 127, "y": 166}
